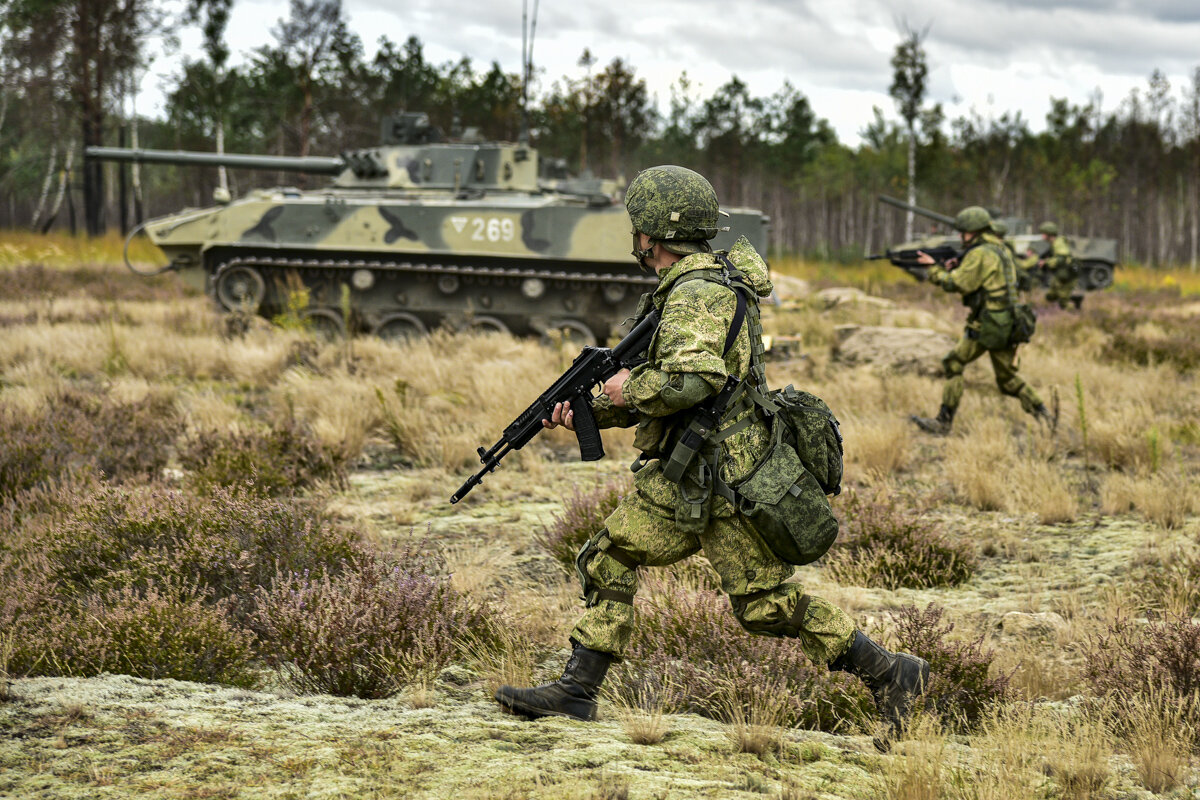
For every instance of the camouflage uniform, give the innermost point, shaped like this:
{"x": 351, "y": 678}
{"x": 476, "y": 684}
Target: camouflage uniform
{"x": 663, "y": 520}
{"x": 982, "y": 270}
{"x": 654, "y": 525}
{"x": 1063, "y": 272}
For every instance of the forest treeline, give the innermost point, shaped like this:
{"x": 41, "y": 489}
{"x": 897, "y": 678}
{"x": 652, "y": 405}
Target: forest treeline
{"x": 67, "y": 68}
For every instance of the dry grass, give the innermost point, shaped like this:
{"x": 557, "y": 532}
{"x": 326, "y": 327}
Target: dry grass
{"x": 1159, "y": 740}
{"x": 1163, "y": 498}
{"x": 1078, "y": 763}
{"x": 918, "y": 769}
{"x": 878, "y": 447}
{"x": 754, "y": 716}
{"x": 418, "y": 403}
{"x": 643, "y": 718}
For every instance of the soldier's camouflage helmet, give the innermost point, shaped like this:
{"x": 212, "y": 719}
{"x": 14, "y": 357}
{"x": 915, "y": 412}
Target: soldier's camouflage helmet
{"x": 675, "y": 207}
{"x": 1048, "y": 227}
{"x": 999, "y": 228}
{"x": 973, "y": 219}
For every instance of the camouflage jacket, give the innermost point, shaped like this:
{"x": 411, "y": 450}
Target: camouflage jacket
{"x": 686, "y": 364}
{"x": 982, "y": 277}
{"x": 1060, "y": 258}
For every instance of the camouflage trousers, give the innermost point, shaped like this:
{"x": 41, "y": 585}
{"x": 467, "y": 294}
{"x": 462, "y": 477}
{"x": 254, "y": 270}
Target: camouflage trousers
{"x": 1004, "y": 364}
{"x": 1060, "y": 290}
{"x": 646, "y": 533}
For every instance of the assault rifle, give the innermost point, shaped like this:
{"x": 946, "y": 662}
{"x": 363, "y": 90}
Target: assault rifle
{"x": 591, "y": 368}
{"x": 907, "y": 259}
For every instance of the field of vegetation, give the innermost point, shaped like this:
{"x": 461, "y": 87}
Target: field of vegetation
{"x": 228, "y": 565}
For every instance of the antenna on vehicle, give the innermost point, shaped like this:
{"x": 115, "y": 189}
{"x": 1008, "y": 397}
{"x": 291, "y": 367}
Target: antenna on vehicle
{"x": 528, "y": 29}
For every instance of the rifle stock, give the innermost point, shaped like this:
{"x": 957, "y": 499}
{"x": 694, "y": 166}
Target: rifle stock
{"x": 591, "y": 367}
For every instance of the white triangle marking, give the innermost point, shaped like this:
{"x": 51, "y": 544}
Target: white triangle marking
{"x": 459, "y": 223}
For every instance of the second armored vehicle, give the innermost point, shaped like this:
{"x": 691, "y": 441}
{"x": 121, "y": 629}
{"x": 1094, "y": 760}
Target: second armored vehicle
{"x": 1097, "y": 258}
{"x": 419, "y": 233}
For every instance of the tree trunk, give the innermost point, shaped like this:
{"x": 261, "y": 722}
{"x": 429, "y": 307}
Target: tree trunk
{"x": 64, "y": 180}
{"x": 912, "y": 182}
{"x": 51, "y": 163}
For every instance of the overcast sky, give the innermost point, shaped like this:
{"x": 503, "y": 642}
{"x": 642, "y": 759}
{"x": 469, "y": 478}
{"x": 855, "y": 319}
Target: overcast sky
{"x": 983, "y": 55}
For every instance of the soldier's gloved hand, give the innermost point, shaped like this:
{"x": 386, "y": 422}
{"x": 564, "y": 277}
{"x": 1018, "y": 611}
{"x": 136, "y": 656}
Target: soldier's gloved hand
{"x": 924, "y": 259}
{"x": 563, "y": 415}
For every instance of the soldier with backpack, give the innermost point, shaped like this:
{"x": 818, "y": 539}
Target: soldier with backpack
{"x": 986, "y": 278}
{"x": 722, "y": 466}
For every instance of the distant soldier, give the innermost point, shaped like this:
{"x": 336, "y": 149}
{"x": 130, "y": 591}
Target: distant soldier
{"x": 1061, "y": 264}
{"x": 986, "y": 277}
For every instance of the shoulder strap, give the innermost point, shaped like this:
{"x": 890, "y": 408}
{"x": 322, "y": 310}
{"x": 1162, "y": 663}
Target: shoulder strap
{"x": 1008, "y": 268}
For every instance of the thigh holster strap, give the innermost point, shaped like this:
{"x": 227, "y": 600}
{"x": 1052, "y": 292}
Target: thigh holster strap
{"x": 614, "y": 595}
{"x": 621, "y": 556}
{"x": 797, "y": 620}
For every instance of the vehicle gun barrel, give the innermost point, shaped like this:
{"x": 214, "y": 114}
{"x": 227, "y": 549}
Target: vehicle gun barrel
{"x": 317, "y": 165}
{"x": 924, "y": 212}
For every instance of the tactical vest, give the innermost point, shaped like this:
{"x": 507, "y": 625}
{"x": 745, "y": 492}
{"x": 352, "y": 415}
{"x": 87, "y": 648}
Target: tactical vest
{"x": 784, "y": 495}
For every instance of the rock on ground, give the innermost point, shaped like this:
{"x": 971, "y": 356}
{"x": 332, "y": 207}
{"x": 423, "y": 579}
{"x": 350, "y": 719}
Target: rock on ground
{"x": 1023, "y": 625}
{"x": 846, "y": 295}
{"x": 916, "y": 350}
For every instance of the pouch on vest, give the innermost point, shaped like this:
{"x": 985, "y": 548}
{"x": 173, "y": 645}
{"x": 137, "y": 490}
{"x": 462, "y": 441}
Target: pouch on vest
{"x": 995, "y": 328}
{"x": 1024, "y": 324}
{"x": 787, "y": 507}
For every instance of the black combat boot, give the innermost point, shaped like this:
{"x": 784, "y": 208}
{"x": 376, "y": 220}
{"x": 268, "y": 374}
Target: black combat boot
{"x": 1043, "y": 415}
{"x": 572, "y": 695}
{"x": 939, "y": 425}
{"x": 895, "y": 680}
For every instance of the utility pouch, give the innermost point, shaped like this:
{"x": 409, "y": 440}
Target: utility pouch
{"x": 704, "y": 421}
{"x": 1024, "y": 324}
{"x": 787, "y": 506}
{"x": 995, "y": 328}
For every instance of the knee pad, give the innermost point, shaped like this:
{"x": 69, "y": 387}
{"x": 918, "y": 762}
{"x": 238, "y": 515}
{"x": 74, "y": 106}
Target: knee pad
{"x": 1011, "y": 387}
{"x": 771, "y": 620}
{"x": 952, "y": 366}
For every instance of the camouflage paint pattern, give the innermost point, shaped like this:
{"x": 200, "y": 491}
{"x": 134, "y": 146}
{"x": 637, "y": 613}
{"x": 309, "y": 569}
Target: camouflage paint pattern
{"x": 652, "y": 523}
{"x": 675, "y": 206}
{"x": 453, "y": 240}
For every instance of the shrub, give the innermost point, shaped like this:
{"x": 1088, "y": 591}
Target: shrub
{"x": 690, "y": 654}
{"x": 368, "y": 631}
{"x": 282, "y": 460}
{"x": 160, "y": 631}
{"x": 1131, "y": 659}
{"x": 885, "y": 545}
{"x": 149, "y": 580}
{"x": 226, "y": 544}
{"x": 582, "y": 517}
{"x": 78, "y": 429}
{"x": 961, "y": 688}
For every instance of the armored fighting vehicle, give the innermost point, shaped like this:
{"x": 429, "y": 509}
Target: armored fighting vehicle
{"x": 1097, "y": 257}
{"x": 418, "y": 233}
